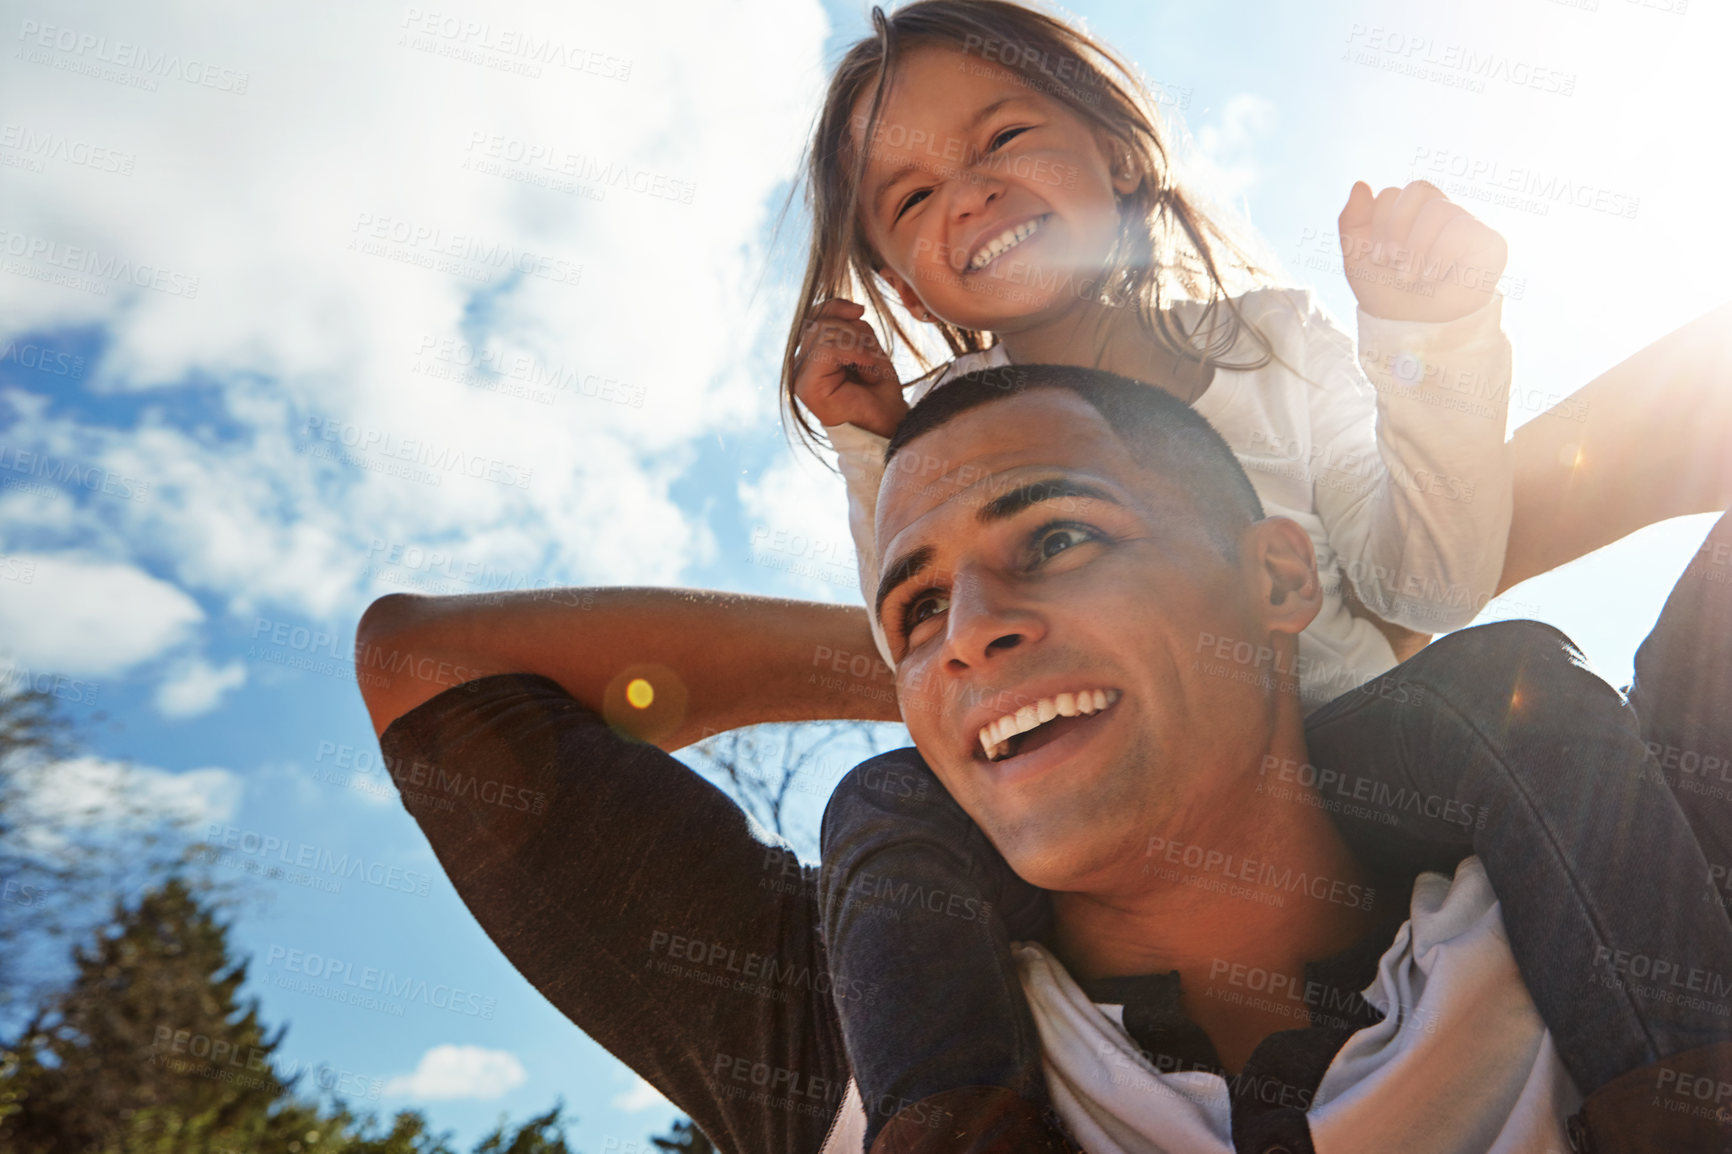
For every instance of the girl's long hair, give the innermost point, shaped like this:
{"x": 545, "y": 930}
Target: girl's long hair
{"x": 1169, "y": 248}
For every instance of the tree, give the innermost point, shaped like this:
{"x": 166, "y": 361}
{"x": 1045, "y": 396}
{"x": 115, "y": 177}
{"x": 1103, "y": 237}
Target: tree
{"x": 684, "y": 1137}
{"x": 149, "y": 1039}
{"x": 542, "y": 1134}
{"x": 30, "y": 732}
{"x": 151, "y": 1050}
{"x": 764, "y": 767}
{"x": 74, "y": 834}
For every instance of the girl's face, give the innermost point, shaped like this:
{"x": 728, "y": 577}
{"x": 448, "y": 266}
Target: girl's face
{"x": 990, "y": 204}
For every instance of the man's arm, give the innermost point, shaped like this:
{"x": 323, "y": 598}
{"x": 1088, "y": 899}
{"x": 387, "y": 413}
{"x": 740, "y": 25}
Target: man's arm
{"x": 1647, "y": 440}
{"x": 668, "y": 666}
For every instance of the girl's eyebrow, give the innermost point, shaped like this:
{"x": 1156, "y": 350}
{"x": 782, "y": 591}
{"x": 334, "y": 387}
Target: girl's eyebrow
{"x": 974, "y": 122}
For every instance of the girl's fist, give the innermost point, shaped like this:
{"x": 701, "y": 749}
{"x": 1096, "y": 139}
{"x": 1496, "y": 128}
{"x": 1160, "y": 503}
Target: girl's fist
{"x": 842, "y": 374}
{"x": 1411, "y": 254}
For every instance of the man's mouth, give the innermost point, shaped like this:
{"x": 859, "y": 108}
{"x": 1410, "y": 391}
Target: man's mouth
{"x": 1035, "y": 725}
{"x": 1003, "y": 243}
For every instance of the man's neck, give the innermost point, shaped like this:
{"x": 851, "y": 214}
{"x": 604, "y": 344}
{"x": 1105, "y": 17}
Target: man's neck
{"x": 1261, "y": 886}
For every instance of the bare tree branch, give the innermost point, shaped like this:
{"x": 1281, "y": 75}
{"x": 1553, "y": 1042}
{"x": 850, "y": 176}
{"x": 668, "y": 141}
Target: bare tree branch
{"x": 763, "y": 766}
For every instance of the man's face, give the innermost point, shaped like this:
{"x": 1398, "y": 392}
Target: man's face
{"x": 1028, "y": 560}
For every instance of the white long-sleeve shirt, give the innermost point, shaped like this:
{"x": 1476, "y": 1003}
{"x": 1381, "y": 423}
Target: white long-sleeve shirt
{"x": 1394, "y": 462}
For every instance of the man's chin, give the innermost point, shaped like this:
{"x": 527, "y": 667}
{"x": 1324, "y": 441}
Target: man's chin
{"x": 1042, "y": 853}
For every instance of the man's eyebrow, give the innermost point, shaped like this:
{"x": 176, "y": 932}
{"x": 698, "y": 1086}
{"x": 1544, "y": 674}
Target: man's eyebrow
{"x": 1024, "y": 496}
{"x": 974, "y": 122}
{"x": 906, "y": 568}
{"x": 1000, "y": 508}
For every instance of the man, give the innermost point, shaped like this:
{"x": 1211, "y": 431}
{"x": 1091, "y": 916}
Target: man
{"x": 1028, "y": 552}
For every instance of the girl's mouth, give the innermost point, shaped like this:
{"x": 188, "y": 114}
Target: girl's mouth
{"x": 1004, "y": 242}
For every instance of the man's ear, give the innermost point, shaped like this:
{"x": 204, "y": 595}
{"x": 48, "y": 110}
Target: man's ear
{"x": 1281, "y": 568}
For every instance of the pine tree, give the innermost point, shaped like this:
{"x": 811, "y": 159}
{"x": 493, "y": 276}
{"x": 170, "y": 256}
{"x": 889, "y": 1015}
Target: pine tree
{"x": 151, "y": 1050}
{"x": 61, "y": 867}
{"x": 150, "y": 1029}
{"x": 542, "y": 1134}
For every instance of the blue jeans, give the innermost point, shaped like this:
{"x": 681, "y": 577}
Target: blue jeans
{"x": 1494, "y": 740}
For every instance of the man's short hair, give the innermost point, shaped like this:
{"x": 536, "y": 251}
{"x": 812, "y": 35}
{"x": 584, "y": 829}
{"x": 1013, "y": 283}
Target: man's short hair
{"x": 1164, "y": 433}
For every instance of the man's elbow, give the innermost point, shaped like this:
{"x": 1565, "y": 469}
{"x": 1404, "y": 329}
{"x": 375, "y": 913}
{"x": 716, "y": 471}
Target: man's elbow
{"x": 386, "y": 616}
{"x": 387, "y": 629}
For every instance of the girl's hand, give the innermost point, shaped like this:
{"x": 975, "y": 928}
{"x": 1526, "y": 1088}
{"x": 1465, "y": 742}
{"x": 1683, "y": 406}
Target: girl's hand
{"x": 842, "y": 374}
{"x": 1411, "y": 254}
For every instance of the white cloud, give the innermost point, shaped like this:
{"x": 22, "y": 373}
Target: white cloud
{"x": 448, "y": 1072}
{"x": 310, "y": 318}
{"x": 63, "y": 798}
{"x": 641, "y": 1096}
{"x": 1222, "y": 161}
{"x": 79, "y": 616}
{"x": 197, "y": 686}
{"x": 797, "y": 526}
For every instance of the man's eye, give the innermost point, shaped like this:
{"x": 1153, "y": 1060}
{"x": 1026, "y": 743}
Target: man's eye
{"x": 1005, "y": 138}
{"x": 913, "y": 199}
{"x": 1056, "y": 539}
{"x": 922, "y": 608}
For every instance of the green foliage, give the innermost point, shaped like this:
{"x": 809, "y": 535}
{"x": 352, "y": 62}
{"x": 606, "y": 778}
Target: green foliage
{"x": 62, "y": 860}
{"x": 542, "y": 1134}
{"x": 685, "y": 1138}
{"x": 148, "y": 1047}
{"x": 150, "y": 1050}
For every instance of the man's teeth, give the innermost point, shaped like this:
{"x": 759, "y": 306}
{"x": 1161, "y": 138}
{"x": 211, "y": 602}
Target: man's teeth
{"x": 1004, "y": 242}
{"x": 994, "y": 737}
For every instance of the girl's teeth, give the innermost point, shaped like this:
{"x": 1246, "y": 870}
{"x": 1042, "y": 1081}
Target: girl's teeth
{"x": 1066, "y": 705}
{"x": 1003, "y": 243}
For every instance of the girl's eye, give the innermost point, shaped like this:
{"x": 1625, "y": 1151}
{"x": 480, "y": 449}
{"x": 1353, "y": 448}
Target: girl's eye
{"x": 913, "y": 199}
{"x": 922, "y": 608}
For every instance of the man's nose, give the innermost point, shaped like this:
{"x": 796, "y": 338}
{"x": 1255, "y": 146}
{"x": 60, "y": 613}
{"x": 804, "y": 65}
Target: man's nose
{"x": 986, "y": 620}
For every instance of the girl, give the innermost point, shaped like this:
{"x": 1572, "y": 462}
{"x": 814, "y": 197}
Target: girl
{"x": 1004, "y": 178}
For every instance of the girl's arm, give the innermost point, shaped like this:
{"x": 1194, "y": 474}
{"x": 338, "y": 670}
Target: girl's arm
{"x": 668, "y": 666}
{"x": 1649, "y": 439}
{"x": 860, "y": 457}
{"x": 1410, "y": 473}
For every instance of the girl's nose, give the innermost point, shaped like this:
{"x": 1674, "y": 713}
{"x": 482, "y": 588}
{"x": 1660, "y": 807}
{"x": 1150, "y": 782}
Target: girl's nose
{"x": 974, "y": 192}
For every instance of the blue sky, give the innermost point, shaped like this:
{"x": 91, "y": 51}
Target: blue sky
{"x": 318, "y": 282}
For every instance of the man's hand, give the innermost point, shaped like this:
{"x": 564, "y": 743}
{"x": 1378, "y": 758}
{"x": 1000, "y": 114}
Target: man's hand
{"x": 842, "y": 374}
{"x": 1411, "y": 254}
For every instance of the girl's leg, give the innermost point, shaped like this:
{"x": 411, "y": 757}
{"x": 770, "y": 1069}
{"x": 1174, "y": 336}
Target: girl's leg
{"x": 919, "y": 909}
{"x": 1683, "y": 696}
{"x": 1499, "y": 736}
